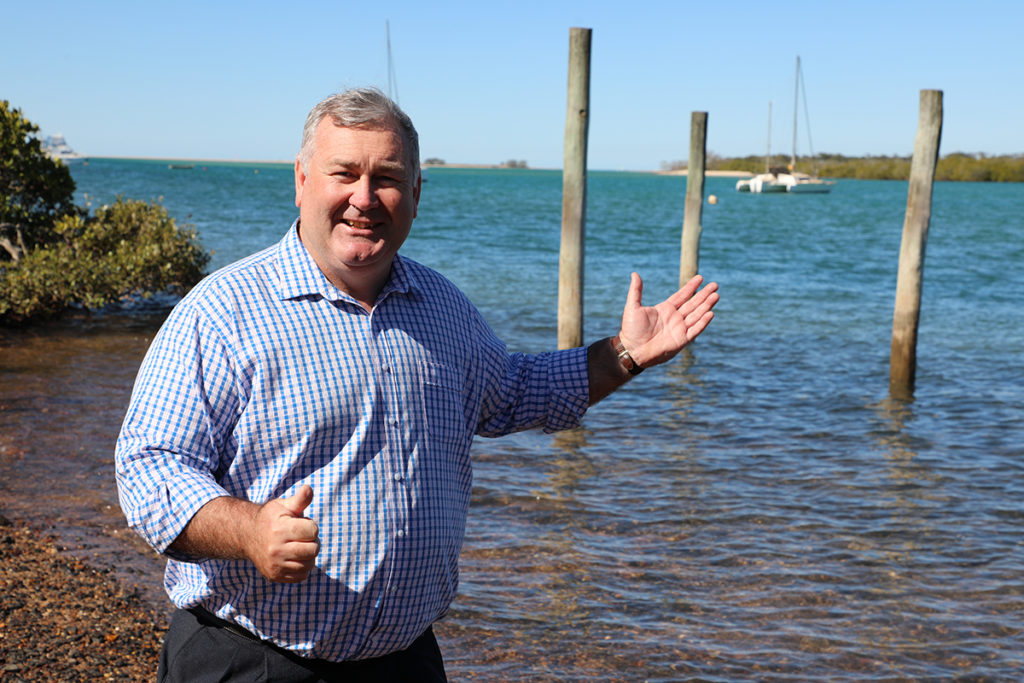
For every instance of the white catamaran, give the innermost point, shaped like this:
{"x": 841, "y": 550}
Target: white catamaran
{"x": 787, "y": 179}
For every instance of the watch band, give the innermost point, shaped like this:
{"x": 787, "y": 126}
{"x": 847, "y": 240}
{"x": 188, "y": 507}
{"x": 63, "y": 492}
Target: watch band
{"x": 632, "y": 367}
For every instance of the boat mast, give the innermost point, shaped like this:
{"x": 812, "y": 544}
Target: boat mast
{"x": 796, "y": 100}
{"x": 768, "y": 152}
{"x": 392, "y": 81}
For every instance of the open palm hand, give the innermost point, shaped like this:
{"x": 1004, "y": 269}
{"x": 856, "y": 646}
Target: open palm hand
{"x": 654, "y": 334}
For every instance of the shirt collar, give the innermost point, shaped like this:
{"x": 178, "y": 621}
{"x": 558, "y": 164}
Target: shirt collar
{"x": 299, "y": 276}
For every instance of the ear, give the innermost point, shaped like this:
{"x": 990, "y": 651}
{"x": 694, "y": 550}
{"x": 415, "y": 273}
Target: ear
{"x": 300, "y": 181}
{"x": 416, "y": 193}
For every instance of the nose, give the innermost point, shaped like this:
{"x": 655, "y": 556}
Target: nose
{"x": 364, "y": 194}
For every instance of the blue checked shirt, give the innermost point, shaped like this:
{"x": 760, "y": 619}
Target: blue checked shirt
{"x": 266, "y": 377}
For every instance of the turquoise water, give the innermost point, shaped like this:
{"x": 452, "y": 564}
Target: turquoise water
{"x": 758, "y": 509}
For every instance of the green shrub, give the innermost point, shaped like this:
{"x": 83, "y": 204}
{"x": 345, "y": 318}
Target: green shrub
{"x": 131, "y": 249}
{"x": 35, "y": 190}
{"x": 54, "y": 256}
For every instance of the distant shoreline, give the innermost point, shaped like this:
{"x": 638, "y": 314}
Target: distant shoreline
{"x": 501, "y": 167}
{"x": 176, "y": 160}
{"x": 683, "y": 172}
{"x": 711, "y": 174}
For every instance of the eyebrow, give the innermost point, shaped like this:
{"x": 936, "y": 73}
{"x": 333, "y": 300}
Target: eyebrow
{"x": 383, "y": 166}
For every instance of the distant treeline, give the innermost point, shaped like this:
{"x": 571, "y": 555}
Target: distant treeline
{"x": 956, "y": 166}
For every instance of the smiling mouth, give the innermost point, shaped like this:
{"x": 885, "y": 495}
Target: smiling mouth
{"x": 358, "y": 225}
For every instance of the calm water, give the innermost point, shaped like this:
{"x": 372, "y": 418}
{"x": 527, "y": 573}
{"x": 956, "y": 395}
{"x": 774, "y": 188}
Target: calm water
{"x": 759, "y": 509}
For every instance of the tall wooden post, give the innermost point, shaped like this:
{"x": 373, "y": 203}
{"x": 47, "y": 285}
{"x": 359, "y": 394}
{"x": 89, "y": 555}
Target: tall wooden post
{"x": 574, "y": 193}
{"x": 694, "y": 207}
{"x": 907, "y": 310}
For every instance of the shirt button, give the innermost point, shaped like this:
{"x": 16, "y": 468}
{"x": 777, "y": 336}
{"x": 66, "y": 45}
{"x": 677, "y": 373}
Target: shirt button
{"x": 400, "y": 533}
{"x": 398, "y": 476}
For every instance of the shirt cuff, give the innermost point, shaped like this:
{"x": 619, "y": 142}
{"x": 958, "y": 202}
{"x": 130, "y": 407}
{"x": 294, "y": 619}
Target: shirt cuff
{"x": 569, "y": 401}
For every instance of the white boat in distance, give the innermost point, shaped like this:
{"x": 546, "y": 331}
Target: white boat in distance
{"x": 762, "y": 183}
{"x": 779, "y": 179}
{"x": 786, "y": 179}
{"x": 57, "y": 148}
{"x": 768, "y": 181}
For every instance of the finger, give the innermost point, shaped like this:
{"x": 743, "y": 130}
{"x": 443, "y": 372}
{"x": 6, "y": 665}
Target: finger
{"x": 291, "y": 563}
{"x": 293, "y": 577}
{"x": 699, "y": 299}
{"x": 302, "y": 557}
{"x": 694, "y": 330}
{"x": 304, "y": 553}
{"x": 636, "y": 291}
{"x": 303, "y": 529}
{"x": 684, "y": 293}
{"x": 299, "y": 501}
{"x": 293, "y": 572}
{"x": 702, "y": 301}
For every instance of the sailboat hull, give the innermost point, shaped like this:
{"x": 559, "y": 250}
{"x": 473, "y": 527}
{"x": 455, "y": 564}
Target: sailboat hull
{"x": 795, "y": 183}
{"x": 764, "y": 183}
{"x": 810, "y": 188}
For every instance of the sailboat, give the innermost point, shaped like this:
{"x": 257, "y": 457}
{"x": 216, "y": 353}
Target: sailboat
{"x": 393, "y": 81}
{"x": 787, "y": 179}
{"x": 803, "y": 183}
{"x": 767, "y": 182}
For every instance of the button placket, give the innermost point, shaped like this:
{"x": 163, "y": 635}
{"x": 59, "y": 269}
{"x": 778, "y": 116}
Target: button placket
{"x": 395, "y": 437}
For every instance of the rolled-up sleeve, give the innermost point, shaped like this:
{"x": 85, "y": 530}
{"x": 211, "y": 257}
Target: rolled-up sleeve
{"x": 167, "y": 452}
{"x": 549, "y": 390}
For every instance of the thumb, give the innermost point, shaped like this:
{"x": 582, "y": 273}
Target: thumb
{"x": 298, "y": 501}
{"x": 636, "y": 291}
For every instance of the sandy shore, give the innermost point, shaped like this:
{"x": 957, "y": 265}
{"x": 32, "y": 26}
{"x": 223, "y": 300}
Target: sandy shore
{"x": 64, "y": 620}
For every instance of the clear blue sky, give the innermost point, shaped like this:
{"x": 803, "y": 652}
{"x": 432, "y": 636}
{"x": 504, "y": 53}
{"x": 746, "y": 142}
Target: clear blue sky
{"x": 486, "y": 82}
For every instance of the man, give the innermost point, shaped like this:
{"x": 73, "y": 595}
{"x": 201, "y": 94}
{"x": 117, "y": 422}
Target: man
{"x": 298, "y": 439}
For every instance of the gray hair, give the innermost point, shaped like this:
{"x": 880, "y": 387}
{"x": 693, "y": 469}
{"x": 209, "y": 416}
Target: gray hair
{"x": 360, "y": 108}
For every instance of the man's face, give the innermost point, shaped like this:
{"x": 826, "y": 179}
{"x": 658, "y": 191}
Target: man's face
{"x": 357, "y": 200}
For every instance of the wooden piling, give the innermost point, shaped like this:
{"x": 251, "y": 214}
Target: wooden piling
{"x": 907, "y": 309}
{"x": 694, "y": 206}
{"x": 574, "y": 192}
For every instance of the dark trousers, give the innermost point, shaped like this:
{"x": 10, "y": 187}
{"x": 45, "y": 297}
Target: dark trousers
{"x": 199, "y": 649}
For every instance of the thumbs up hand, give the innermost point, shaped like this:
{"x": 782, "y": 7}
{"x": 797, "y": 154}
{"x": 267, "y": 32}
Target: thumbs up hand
{"x": 285, "y": 544}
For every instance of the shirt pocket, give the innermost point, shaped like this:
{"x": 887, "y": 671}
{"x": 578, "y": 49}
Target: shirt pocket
{"x": 444, "y": 412}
